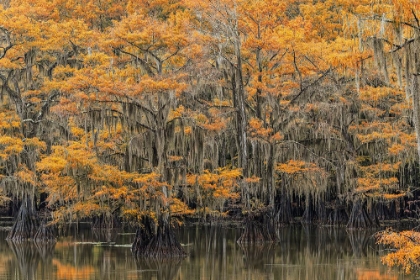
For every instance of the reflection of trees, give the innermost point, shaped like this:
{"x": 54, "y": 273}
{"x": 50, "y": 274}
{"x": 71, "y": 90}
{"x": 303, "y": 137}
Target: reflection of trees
{"x": 359, "y": 240}
{"x": 103, "y": 234}
{"x": 301, "y": 253}
{"x": 164, "y": 269}
{"x": 68, "y": 271}
{"x": 45, "y": 250}
{"x": 256, "y": 256}
{"x": 28, "y": 256}
{"x": 321, "y": 253}
{"x": 370, "y": 274}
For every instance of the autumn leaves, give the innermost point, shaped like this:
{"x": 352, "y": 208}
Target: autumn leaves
{"x": 151, "y": 108}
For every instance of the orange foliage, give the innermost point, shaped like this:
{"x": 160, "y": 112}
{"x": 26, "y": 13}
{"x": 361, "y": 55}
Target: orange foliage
{"x": 407, "y": 246}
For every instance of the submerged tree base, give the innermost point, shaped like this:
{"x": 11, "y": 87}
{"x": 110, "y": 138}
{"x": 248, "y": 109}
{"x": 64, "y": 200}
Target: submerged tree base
{"x": 338, "y": 217}
{"x": 106, "y": 222}
{"x": 26, "y": 225}
{"x": 44, "y": 233}
{"x": 163, "y": 244}
{"x": 258, "y": 229}
{"x": 359, "y": 218}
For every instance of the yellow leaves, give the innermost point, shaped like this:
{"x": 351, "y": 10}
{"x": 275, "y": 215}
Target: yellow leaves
{"x": 376, "y": 131}
{"x": 10, "y": 146}
{"x": 97, "y": 59}
{"x": 297, "y": 166}
{"x": 26, "y": 176}
{"x": 55, "y": 164}
{"x": 257, "y": 129}
{"x": 407, "y": 249}
{"x": 177, "y": 113}
{"x": 253, "y": 179}
{"x": 216, "y": 125}
{"x": 178, "y": 207}
{"x": 303, "y": 176}
{"x": 218, "y": 186}
{"x": 35, "y": 143}
{"x": 219, "y": 102}
{"x": 85, "y": 209}
{"x": 389, "y": 196}
{"x": 5, "y": 63}
{"x": 377, "y": 94}
{"x": 151, "y": 85}
{"x": 9, "y": 121}
{"x": 396, "y": 149}
{"x": 151, "y": 178}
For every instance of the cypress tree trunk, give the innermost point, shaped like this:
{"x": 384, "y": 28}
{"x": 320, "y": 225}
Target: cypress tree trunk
{"x": 338, "y": 215}
{"x": 44, "y": 233}
{"x": 309, "y": 215}
{"x": 359, "y": 218}
{"x": 284, "y": 213}
{"x": 26, "y": 224}
{"x": 258, "y": 229}
{"x": 416, "y": 109}
{"x": 160, "y": 244}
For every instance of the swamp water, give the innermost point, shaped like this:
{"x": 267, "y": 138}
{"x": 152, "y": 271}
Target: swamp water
{"x": 302, "y": 253}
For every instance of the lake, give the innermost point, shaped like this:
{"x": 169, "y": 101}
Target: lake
{"x": 302, "y": 253}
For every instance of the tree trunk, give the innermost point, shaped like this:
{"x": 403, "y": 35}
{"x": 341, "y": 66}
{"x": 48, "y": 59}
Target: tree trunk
{"x": 26, "y": 224}
{"x": 416, "y": 109}
{"x": 338, "y": 215}
{"x": 258, "y": 229}
{"x": 161, "y": 245}
{"x": 44, "y": 233}
{"x": 359, "y": 218}
{"x": 284, "y": 213}
{"x": 106, "y": 221}
{"x": 309, "y": 215}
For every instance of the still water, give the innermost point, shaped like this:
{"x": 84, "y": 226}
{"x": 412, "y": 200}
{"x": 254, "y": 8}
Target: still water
{"x": 302, "y": 253}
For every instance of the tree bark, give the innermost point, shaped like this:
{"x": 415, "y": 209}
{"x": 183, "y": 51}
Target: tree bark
{"x": 416, "y": 109}
{"x": 26, "y": 224}
{"x": 161, "y": 245}
{"x": 359, "y": 218}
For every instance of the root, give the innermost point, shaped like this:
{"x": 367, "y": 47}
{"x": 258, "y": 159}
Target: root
{"x": 161, "y": 245}
{"x": 44, "y": 234}
{"x": 359, "y": 218}
{"x": 26, "y": 224}
{"x": 258, "y": 229}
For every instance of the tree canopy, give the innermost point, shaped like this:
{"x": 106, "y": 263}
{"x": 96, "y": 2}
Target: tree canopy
{"x": 140, "y": 111}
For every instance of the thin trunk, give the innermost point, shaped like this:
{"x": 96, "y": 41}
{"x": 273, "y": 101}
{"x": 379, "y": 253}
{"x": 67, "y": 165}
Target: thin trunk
{"x": 241, "y": 120}
{"x": 416, "y": 109}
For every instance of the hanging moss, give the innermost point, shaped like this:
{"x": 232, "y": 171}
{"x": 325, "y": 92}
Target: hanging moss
{"x": 380, "y": 59}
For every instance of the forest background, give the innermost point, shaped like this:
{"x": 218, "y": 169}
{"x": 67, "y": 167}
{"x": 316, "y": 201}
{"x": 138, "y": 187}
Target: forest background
{"x": 153, "y": 112}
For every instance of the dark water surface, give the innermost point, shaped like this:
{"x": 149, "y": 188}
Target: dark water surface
{"x": 302, "y": 253}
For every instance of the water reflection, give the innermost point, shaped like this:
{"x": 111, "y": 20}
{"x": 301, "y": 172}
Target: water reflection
{"x": 27, "y": 257}
{"x": 166, "y": 269}
{"x": 301, "y": 253}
